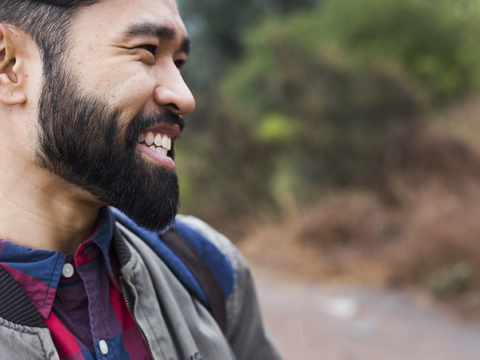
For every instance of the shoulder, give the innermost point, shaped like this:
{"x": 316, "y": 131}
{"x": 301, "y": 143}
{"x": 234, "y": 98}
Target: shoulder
{"x": 245, "y": 329}
{"x": 236, "y": 270}
{"x": 216, "y": 238}
{"x": 217, "y": 251}
{"x": 243, "y": 293}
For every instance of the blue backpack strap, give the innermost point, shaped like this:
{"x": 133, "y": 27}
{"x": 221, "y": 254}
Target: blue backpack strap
{"x": 219, "y": 263}
{"x": 202, "y": 272}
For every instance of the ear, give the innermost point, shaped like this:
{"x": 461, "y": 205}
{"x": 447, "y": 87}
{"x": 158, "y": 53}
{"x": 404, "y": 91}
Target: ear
{"x": 12, "y": 90}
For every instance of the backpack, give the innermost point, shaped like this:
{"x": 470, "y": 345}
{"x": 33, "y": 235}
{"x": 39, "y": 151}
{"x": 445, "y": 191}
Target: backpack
{"x": 203, "y": 269}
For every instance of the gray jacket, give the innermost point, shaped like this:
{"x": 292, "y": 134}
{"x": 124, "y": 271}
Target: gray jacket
{"x": 175, "y": 324}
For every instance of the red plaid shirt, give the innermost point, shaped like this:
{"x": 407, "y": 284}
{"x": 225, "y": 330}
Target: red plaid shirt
{"x": 79, "y": 297}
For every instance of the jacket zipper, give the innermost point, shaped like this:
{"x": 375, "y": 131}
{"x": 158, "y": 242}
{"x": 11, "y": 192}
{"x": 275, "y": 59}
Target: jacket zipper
{"x": 129, "y": 307}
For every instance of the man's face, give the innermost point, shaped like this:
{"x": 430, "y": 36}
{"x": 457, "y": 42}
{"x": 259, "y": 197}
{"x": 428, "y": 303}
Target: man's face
{"x": 117, "y": 90}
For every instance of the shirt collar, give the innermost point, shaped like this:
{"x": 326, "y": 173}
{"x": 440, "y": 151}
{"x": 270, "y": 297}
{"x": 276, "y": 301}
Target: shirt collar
{"x": 38, "y": 272}
{"x": 102, "y": 237}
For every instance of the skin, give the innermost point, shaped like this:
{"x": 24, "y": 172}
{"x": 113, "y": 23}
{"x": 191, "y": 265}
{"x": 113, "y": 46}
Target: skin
{"x": 37, "y": 208}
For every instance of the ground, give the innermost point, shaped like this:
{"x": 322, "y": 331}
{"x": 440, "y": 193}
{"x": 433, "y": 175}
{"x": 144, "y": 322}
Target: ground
{"x": 310, "y": 321}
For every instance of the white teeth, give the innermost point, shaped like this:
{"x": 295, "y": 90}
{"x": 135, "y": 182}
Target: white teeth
{"x": 149, "y": 138}
{"x": 166, "y": 142}
{"x": 162, "y": 150}
{"x": 160, "y": 143}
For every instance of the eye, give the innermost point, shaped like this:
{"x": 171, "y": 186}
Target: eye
{"x": 150, "y": 48}
{"x": 180, "y": 63}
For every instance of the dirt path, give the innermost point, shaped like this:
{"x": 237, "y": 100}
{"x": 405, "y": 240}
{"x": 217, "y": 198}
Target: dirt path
{"x": 312, "y": 322}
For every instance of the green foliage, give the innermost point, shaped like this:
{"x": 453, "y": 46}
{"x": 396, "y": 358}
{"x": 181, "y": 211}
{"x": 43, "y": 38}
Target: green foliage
{"x": 437, "y": 42}
{"x": 324, "y": 98}
{"x": 274, "y": 127}
{"x": 452, "y": 280}
{"x": 217, "y": 29}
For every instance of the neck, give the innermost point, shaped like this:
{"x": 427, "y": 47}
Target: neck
{"x": 41, "y": 211}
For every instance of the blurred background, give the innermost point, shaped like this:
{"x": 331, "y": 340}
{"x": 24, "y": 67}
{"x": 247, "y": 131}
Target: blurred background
{"x": 337, "y": 143}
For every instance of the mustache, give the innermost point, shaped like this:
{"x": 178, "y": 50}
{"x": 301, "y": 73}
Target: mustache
{"x": 142, "y": 121}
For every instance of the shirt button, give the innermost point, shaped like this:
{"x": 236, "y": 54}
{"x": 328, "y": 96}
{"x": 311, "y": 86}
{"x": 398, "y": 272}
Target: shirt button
{"x": 67, "y": 270}
{"x": 103, "y": 347}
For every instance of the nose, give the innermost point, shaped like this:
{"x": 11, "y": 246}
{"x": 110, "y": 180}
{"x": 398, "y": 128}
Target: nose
{"x": 171, "y": 93}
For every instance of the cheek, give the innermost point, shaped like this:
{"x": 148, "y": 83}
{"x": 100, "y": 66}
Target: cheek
{"x": 125, "y": 85}
{"x": 125, "y": 90}
{"x": 132, "y": 92}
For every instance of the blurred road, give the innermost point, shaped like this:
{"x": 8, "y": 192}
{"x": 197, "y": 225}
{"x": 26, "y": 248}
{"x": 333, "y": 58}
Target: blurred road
{"x": 312, "y": 322}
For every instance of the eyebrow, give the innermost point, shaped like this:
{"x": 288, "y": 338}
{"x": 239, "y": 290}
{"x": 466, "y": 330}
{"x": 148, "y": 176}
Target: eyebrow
{"x": 149, "y": 30}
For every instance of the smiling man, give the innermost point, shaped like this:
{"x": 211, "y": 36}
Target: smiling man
{"x": 93, "y": 262}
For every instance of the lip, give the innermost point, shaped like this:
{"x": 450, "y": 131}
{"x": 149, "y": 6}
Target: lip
{"x": 164, "y": 160}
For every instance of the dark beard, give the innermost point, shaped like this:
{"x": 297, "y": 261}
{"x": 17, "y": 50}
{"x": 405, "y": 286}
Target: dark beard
{"x": 82, "y": 140}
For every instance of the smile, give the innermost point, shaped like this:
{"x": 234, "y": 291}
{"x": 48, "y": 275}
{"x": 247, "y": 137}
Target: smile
{"x": 155, "y": 142}
{"x": 161, "y": 143}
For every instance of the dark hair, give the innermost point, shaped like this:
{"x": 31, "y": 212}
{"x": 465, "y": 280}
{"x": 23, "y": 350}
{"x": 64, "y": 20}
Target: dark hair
{"x": 48, "y": 25}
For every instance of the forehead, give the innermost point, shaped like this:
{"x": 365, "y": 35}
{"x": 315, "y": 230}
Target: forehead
{"x": 110, "y": 17}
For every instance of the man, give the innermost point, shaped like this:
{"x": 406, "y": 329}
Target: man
{"x": 91, "y": 103}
